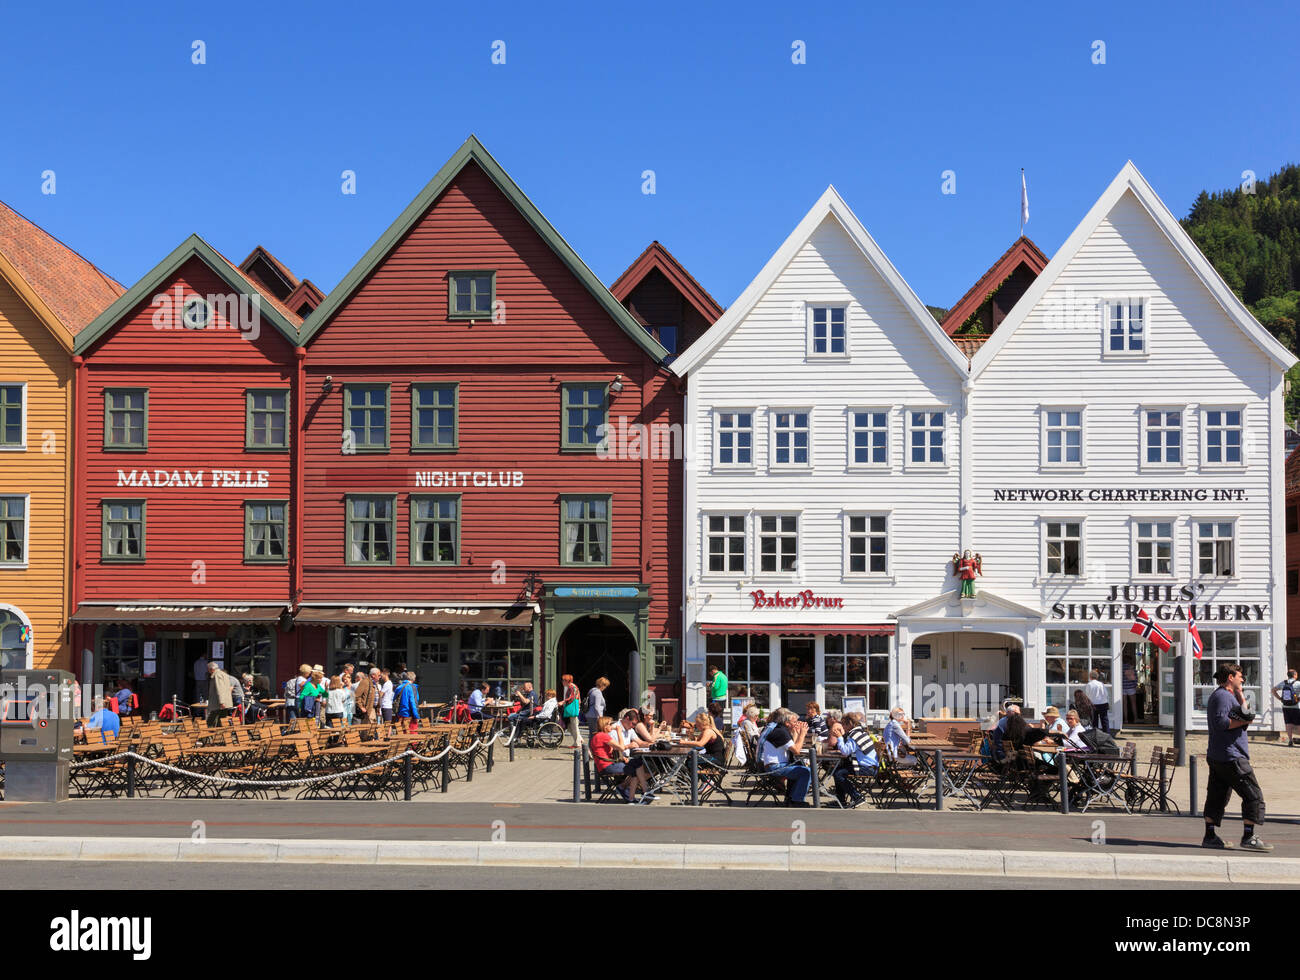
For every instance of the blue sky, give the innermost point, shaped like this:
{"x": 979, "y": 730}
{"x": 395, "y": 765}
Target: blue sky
{"x": 249, "y": 147}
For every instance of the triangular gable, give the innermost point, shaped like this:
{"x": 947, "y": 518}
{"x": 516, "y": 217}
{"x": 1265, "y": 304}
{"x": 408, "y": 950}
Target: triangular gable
{"x": 1022, "y": 252}
{"x": 472, "y": 151}
{"x": 657, "y": 257}
{"x": 985, "y": 605}
{"x": 192, "y": 247}
{"x": 1130, "y": 180}
{"x": 829, "y": 204}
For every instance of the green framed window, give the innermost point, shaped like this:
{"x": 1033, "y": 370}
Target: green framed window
{"x": 126, "y": 418}
{"x": 266, "y": 413}
{"x": 266, "y": 530}
{"x": 665, "y": 662}
{"x": 13, "y": 530}
{"x": 435, "y": 410}
{"x": 582, "y": 417}
{"x": 584, "y": 530}
{"x": 12, "y": 410}
{"x": 123, "y": 530}
{"x": 371, "y": 529}
{"x": 365, "y": 416}
{"x": 435, "y": 530}
{"x": 470, "y": 294}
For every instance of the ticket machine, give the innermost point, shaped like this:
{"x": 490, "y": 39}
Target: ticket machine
{"x": 36, "y": 720}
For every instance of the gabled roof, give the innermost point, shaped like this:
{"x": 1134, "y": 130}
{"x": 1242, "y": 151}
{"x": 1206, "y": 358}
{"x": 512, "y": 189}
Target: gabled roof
{"x": 1129, "y": 180}
{"x": 472, "y": 151}
{"x": 64, "y": 290}
{"x": 986, "y": 605}
{"x": 1022, "y": 252}
{"x": 658, "y": 257}
{"x": 829, "y": 204}
{"x": 192, "y": 247}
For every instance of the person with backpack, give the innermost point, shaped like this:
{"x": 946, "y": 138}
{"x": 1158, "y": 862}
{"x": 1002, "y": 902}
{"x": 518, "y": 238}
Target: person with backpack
{"x": 406, "y": 697}
{"x": 1288, "y": 692}
{"x": 127, "y": 701}
{"x": 293, "y": 690}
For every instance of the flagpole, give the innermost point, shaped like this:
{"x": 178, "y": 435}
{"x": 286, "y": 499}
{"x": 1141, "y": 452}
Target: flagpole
{"x": 1022, "y": 202}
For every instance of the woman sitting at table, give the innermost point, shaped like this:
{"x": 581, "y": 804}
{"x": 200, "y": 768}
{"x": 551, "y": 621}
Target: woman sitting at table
{"x": 652, "y": 729}
{"x": 749, "y": 721}
{"x": 817, "y": 723}
{"x": 1073, "y": 731}
{"x": 710, "y": 739}
{"x": 631, "y": 733}
{"x": 608, "y": 755}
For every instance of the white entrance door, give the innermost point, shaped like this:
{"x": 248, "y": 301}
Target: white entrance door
{"x": 1167, "y": 693}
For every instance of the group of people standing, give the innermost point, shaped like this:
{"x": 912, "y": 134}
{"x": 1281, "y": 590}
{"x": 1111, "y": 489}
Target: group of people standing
{"x": 354, "y": 697}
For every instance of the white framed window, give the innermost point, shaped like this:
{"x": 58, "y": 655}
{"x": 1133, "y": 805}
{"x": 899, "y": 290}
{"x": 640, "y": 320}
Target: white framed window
{"x": 791, "y": 437}
{"x": 778, "y": 543}
{"x": 1153, "y": 548}
{"x": 746, "y": 660}
{"x": 1125, "y": 331}
{"x": 1062, "y": 437}
{"x": 1162, "y": 437}
{"x": 724, "y": 544}
{"x": 1070, "y": 657}
{"x": 925, "y": 437}
{"x": 1216, "y": 548}
{"x": 733, "y": 443}
{"x": 1241, "y": 647}
{"x": 15, "y": 527}
{"x": 1062, "y": 547}
{"x": 869, "y": 437}
{"x": 828, "y": 330}
{"x": 13, "y": 416}
{"x": 1223, "y": 433}
{"x": 866, "y": 544}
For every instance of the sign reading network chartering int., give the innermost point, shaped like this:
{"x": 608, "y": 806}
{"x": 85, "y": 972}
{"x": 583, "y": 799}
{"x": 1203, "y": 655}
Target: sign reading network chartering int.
{"x": 1120, "y": 495}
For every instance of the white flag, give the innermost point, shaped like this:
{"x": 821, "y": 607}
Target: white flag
{"x": 1024, "y": 200}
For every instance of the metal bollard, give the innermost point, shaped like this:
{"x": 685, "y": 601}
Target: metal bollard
{"x": 586, "y": 772}
{"x": 1063, "y": 764}
{"x": 577, "y": 775}
{"x": 816, "y": 778}
{"x": 1191, "y": 783}
{"x": 511, "y": 744}
{"x": 492, "y": 746}
{"x": 1164, "y": 800}
{"x": 130, "y": 777}
{"x": 446, "y": 771}
{"x": 406, "y": 778}
{"x": 469, "y": 766}
{"x": 938, "y": 779}
{"x": 693, "y": 763}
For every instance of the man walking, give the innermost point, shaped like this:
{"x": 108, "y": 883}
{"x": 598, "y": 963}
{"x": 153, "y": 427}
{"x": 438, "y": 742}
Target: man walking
{"x": 1095, "y": 692}
{"x": 220, "y": 698}
{"x": 1229, "y": 758}
{"x": 1288, "y": 692}
{"x": 363, "y": 696}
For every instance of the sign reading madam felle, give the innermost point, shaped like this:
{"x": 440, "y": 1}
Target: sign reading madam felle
{"x": 1125, "y": 601}
{"x": 217, "y": 479}
{"x": 807, "y": 599}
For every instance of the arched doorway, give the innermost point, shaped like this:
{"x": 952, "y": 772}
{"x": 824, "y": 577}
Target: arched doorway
{"x": 15, "y": 639}
{"x": 961, "y": 674}
{"x": 599, "y": 646}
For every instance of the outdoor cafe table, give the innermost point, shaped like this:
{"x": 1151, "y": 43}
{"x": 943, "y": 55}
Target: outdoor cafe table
{"x": 432, "y": 708}
{"x": 958, "y": 768}
{"x": 674, "y": 770}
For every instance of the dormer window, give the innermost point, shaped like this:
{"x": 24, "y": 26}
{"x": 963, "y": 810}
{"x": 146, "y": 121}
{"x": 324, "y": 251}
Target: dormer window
{"x": 470, "y": 295}
{"x": 1126, "y": 327}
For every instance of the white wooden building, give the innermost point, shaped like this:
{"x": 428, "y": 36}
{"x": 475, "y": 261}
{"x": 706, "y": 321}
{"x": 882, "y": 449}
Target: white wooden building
{"x": 1115, "y": 445}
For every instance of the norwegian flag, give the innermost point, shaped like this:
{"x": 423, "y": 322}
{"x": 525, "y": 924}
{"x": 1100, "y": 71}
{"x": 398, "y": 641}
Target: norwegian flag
{"x": 1198, "y": 647}
{"x": 1149, "y": 629}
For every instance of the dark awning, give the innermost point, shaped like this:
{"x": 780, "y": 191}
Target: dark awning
{"x": 176, "y": 614}
{"x": 446, "y": 617}
{"x": 800, "y": 629}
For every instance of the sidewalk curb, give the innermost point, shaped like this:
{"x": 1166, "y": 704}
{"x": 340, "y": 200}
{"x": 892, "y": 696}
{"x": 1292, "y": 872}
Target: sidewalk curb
{"x": 844, "y": 860}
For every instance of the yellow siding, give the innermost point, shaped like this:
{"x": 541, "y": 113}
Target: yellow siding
{"x": 30, "y": 353}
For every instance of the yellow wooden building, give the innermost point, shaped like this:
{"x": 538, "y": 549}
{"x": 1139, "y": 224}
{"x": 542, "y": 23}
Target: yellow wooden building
{"x": 47, "y": 293}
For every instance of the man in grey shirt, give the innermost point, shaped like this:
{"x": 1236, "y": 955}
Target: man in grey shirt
{"x": 1229, "y": 758}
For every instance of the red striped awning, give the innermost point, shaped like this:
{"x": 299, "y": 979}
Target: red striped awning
{"x": 800, "y": 629}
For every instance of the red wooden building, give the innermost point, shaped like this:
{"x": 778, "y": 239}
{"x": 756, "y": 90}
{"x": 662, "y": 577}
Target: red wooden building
{"x": 488, "y": 458}
{"x": 186, "y": 390}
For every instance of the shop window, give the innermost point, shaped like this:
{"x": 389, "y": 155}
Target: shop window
{"x": 867, "y": 551}
{"x": 13, "y": 409}
{"x": 371, "y": 646}
{"x": 13, "y": 645}
{"x": 1126, "y": 333}
{"x": 827, "y": 336}
{"x": 1227, "y": 647}
{"x": 434, "y": 416}
{"x": 791, "y": 439}
{"x": 123, "y": 530}
{"x": 251, "y": 650}
{"x": 869, "y": 438}
{"x": 266, "y": 419}
{"x": 266, "y": 530}
{"x": 726, "y": 543}
{"x": 584, "y": 530}
{"x": 470, "y": 295}
{"x": 1215, "y": 547}
{"x": 120, "y": 659}
{"x": 735, "y": 438}
{"x": 778, "y": 543}
{"x": 370, "y": 530}
{"x": 501, "y": 658}
{"x": 1155, "y": 548}
{"x": 925, "y": 438}
{"x": 1162, "y": 437}
{"x": 583, "y": 414}
{"x": 857, "y": 667}
{"x": 665, "y": 659}
{"x": 13, "y": 531}
{"x": 746, "y": 661}
{"x": 365, "y": 418}
{"x": 1063, "y": 548}
{"x": 1071, "y": 656}
{"x": 1222, "y": 436}
{"x": 435, "y": 530}
{"x": 126, "y": 418}
{"x": 1062, "y": 437}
